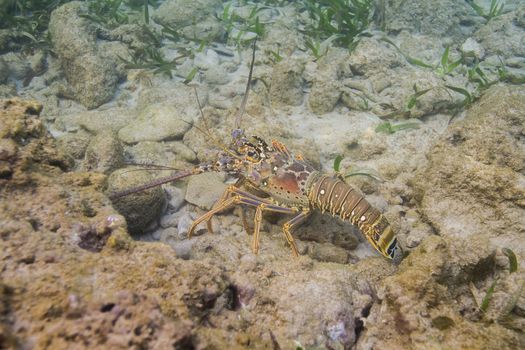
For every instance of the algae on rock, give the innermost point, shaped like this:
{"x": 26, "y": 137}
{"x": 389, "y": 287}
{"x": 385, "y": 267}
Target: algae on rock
{"x": 474, "y": 180}
{"x": 90, "y": 68}
{"x": 70, "y": 272}
{"x": 287, "y": 83}
{"x": 427, "y": 303}
{"x": 140, "y": 209}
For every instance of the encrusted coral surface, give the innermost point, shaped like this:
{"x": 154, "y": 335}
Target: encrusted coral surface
{"x": 78, "y": 271}
{"x": 72, "y": 278}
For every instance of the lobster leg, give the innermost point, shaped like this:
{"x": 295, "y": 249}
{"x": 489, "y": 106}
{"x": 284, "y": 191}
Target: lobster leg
{"x": 287, "y": 228}
{"x": 218, "y": 208}
{"x": 231, "y": 196}
{"x": 221, "y": 200}
{"x": 227, "y": 193}
{"x": 257, "y": 229}
{"x": 245, "y": 221}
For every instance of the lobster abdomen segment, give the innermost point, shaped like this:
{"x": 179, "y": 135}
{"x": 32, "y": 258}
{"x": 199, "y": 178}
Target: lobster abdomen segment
{"x": 328, "y": 193}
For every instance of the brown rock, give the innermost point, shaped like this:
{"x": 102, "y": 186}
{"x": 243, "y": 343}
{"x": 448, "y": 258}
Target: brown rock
{"x": 474, "y": 180}
{"x": 287, "y": 83}
{"x": 424, "y": 306}
{"x": 71, "y": 278}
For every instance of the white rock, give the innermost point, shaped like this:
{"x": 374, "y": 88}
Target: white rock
{"x": 175, "y": 196}
{"x": 184, "y": 224}
{"x": 472, "y": 48}
{"x": 217, "y": 75}
{"x": 206, "y": 59}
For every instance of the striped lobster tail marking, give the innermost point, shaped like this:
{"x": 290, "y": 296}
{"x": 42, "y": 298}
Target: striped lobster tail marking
{"x": 338, "y": 198}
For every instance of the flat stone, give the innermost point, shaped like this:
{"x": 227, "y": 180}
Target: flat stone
{"x": 205, "y": 189}
{"x": 156, "y": 123}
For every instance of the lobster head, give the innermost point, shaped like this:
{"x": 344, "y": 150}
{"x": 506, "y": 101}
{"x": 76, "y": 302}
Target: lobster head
{"x": 252, "y": 149}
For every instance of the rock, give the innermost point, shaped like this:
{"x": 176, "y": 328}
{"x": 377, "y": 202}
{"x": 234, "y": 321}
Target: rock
{"x": 91, "y": 72}
{"x": 37, "y": 62}
{"x": 444, "y": 18}
{"x": 141, "y": 208}
{"x": 180, "y": 97}
{"x": 334, "y": 65}
{"x": 5, "y": 36}
{"x": 74, "y": 143}
{"x": 18, "y": 67}
{"x": 170, "y": 153}
{"x": 179, "y": 13}
{"x": 217, "y": 75}
{"x": 515, "y": 62}
{"x": 328, "y": 253}
{"x": 99, "y": 120}
{"x": 205, "y": 189}
{"x": 424, "y": 300}
{"x": 135, "y": 36}
{"x": 8, "y": 90}
{"x": 245, "y": 11}
{"x": 8, "y": 151}
{"x": 328, "y": 294}
{"x": 104, "y": 153}
{"x": 520, "y": 16}
{"x": 471, "y": 48}
{"x": 161, "y": 332}
{"x": 184, "y": 224}
{"x": 158, "y": 122}
{"x": 282, "y": 34}
{"x": 175, "y": 197}
{"x": 474, "y": 180}
{"x": 60, "y": 246}
{"x": 324, "y": 96}
{"x": 354, "y": 99}
{"x": 372, "y": 56}
{"x": 287, "y": 83}
{"x": 25, "y": 142}
{"x": 426, "y": 48}
{"x": 328, "y": 231}
{"x": 183, "y": 249}
{"x": 241, "y": 35}
{"x": 196, "y": 19}
{"x": 207, "y": 29}
{"x": 503, "y": 36}
{"x": 4, "y": 71}
{"x": 507, "y": 302}
{"x": 330, "y": 313}
{"x": 435, "y": 100}
{"x": 515, "y": 75}
{"x": 383, "y": 81}
{"x": 206, "y": 59}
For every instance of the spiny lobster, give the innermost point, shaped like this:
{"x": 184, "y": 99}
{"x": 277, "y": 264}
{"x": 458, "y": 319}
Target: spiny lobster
{"x": 285, "y": 183}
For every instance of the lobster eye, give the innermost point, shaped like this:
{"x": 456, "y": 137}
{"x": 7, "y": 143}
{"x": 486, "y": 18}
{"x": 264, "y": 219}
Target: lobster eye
{"x": 252, "y": 156}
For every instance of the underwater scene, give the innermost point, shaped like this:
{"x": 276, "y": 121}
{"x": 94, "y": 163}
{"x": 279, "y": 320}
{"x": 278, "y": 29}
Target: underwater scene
{"x": 210, "y": 174}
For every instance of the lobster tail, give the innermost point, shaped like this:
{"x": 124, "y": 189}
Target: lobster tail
{"x": 328, "y": 193}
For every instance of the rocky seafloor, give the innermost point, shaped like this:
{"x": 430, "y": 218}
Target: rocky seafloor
{"x": 78, "y": 271}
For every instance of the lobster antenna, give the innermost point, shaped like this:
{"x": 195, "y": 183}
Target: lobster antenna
{"x": 207, "y": 132}
{"x": 245, "y": 98}
{"x": 148, "y": 166}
